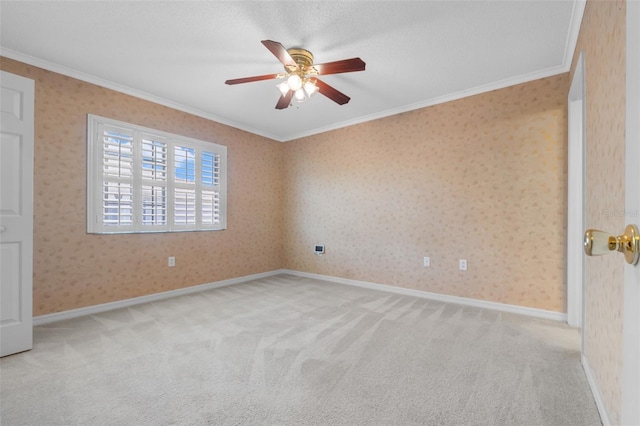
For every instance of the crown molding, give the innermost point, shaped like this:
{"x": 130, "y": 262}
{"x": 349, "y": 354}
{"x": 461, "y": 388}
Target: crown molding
{"x": 549, "y": 72}
{"x": 574, "y": 32}
{"x": 570, "y": 45}
{"x": 569, "y": 49}
{"x": 88, "y": 78}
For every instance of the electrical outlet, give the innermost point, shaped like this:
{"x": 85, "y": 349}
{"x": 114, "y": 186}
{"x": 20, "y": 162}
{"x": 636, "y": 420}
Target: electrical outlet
{"x": 172, "y": 261}
{"x": 426, "y": 262}
{"x": 462, "y": 264}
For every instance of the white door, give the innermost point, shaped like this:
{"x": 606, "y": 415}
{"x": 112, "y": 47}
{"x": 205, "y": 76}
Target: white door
{"x": 16, "y": 213}
{"x": 631, "y": 315}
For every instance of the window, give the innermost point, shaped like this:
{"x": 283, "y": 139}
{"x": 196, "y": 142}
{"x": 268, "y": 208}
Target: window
{"x": 144, "y": 180}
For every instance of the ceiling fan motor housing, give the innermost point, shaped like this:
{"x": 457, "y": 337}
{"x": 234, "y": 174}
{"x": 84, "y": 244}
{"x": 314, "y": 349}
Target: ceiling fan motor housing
{"x": 302, "y": 57}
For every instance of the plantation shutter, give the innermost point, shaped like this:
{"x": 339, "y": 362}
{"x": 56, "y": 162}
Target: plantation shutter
{"x": 184, "y": 187}
{"x": 141, "y": 180}
{"x": 210, "y": 180}
{"x": 154, "y": 178}
{"x": 117, "y": 178}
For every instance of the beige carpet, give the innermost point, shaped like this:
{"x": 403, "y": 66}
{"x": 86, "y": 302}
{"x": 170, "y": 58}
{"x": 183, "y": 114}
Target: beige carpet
{"x": 296, "y": 351}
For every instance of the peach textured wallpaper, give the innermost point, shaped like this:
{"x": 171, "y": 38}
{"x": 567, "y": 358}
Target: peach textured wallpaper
{"x": 602, "y": 38}
{"x": 73, "y": 269}
{"x": 481, "y": 178}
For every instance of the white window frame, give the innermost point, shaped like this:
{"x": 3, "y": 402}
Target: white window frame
{"x": 96, "y": 220}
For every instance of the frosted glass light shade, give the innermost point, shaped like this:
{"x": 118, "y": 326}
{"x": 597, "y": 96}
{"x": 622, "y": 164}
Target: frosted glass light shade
{"x": 295, "y": 82}
{"x": 283, "y": 87}
{"x": 299, "y": 95}
{"x": 310, "y": 88}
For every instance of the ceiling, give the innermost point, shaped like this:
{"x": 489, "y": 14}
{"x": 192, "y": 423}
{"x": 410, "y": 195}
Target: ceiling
{"x": 179, "y": 53}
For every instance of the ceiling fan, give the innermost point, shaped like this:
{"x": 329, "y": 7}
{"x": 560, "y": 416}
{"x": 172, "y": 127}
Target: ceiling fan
{"x": 300, "y": 73}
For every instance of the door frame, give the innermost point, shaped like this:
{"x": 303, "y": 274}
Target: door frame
{"x": 630, "y": 410}
{"x": 575, "y": 195}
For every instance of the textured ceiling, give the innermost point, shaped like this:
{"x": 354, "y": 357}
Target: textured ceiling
{"x": 179, "y": 53}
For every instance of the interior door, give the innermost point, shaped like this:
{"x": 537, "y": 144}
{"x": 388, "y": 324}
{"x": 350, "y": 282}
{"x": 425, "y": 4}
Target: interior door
{"x": 16, "y": 213}
{"x": 631, "y": 315}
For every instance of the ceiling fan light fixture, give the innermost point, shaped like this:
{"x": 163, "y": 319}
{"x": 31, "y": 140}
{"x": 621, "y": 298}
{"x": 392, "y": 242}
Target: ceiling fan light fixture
{"x": 299, "y": 95}
{"x": 295, "y": 82}
{"x": 283, "y": 87}
{"x": 310, "y": 88}
{"x": 300, "y": 75}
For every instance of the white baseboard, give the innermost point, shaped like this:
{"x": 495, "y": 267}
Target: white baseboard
{"x": 595, "y": 390}
{"x": 91, "y": 310}
{"x": 503, "y": 307}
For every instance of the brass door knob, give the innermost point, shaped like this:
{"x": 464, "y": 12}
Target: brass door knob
{"x": 597, "y": 243}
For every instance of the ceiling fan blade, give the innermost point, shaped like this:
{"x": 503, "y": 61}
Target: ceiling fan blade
{"x": 280, "y": 52}
{"x": 255, "y": 78}
{"x": 337, "y": 67}
{"x": 285, "y": 100}
{"x": 331, "y": 93}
